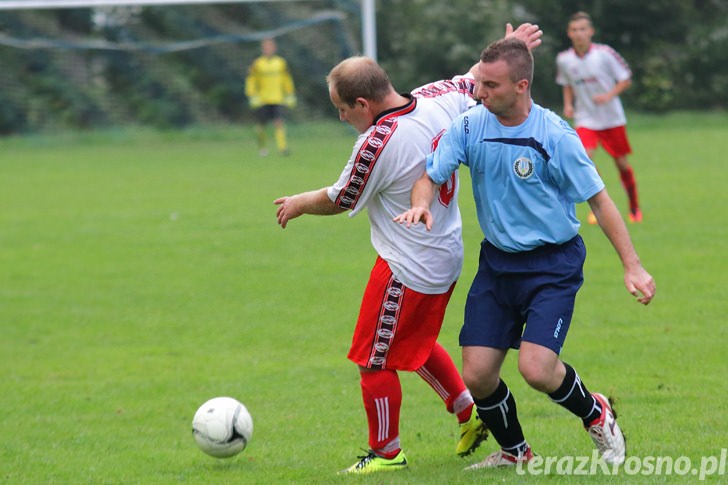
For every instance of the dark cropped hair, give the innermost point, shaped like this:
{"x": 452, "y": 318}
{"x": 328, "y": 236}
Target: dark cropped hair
{"x": 515, "y": 53}
{"x": 580, "y": 15}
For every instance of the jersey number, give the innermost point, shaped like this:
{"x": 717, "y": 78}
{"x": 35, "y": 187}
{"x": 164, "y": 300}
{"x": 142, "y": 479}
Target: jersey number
{"x": 447, "y": 190}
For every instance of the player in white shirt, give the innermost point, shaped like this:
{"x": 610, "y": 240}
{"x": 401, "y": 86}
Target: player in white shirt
{"x": 592, "y": 77}
{"x": 415, "y": 272}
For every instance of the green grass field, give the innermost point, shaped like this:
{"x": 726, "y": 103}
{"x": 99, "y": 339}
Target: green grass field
{"x": 143, "y": 273}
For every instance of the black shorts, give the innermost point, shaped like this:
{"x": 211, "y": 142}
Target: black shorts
{"x": 269, "y": 112}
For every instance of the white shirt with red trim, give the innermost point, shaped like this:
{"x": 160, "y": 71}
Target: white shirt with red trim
{"x": 596, "y": 72}
{"x": 385, "y": 163}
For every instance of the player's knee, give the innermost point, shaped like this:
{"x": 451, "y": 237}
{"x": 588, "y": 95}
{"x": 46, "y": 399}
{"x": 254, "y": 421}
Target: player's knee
{"x": 538, "y": 376}
{"x": 480, "y": 382}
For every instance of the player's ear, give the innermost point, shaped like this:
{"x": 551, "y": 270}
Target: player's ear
{"x": 522, "y": 86}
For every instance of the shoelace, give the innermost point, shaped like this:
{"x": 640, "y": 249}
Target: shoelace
{"x": 597, "y": 433}
{"x": 365, "y": 459}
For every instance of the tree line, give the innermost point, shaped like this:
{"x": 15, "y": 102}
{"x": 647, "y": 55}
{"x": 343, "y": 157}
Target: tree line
{"x": 677, "y": 50}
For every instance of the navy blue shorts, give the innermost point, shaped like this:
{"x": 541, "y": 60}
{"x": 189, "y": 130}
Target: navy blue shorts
{"x": 532, "y": 288}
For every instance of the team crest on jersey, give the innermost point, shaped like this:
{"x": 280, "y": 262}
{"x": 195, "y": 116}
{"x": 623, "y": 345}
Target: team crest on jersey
{"x": 523, "y": 168}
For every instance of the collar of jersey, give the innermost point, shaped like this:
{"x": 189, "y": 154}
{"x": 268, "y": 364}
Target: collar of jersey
{"x": 399, "y": 111}
{"x": 586, "y": 53}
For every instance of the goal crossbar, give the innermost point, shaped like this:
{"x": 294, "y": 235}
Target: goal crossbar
{"x": 54, "y": 4}
{"x": 368, "y": 10}
{"x": 38, "y": 43}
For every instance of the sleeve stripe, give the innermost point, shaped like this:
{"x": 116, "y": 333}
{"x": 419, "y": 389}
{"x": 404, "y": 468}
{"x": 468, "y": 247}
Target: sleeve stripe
{"x": 365, "y": 161}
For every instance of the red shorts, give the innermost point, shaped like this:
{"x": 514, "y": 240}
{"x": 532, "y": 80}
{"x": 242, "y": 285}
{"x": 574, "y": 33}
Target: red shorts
{"x": 397, "y": 326}
{"x": 614, "y": 140}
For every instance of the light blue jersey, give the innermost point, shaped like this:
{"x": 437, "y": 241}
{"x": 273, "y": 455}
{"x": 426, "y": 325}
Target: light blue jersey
{"x": 526, "y": 179}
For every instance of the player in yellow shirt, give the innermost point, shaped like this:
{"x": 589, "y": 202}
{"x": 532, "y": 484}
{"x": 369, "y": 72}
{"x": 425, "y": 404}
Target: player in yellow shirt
{"x": 269, "y": 87}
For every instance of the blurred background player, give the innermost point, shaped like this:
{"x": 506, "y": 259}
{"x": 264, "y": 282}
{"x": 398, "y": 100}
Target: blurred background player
{"x": 269, "y": 88}
{"x": 593, "y": 76}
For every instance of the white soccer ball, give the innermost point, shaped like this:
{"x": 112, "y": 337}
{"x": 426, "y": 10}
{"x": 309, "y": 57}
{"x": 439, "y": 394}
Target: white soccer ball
{"x": 222, "y": 427}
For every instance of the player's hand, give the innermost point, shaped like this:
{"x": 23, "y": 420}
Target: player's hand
{"x": 528, "y": 33}
{"x": 640, "y": 283}
{"x": 291, "y": 101}
{"x": 255, "y": 102}
{"x": 600, "y": 99}
{"x": 287, "y": 209}
{"x": 414, "y": 216}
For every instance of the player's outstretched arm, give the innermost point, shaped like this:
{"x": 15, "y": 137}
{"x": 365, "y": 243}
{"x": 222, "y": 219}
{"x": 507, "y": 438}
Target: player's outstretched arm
{"x": 637, "y": 280}
{"x": 316, "y": 202}
{"x": 528, "y": 33}
{"x": 423, "y": 193}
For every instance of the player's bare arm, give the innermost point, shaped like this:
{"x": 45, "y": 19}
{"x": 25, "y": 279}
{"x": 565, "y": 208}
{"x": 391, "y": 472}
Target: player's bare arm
{"x": 637, "y": 280}
{"x": 568, "y": 95}
{"x": 316, "y": 202}
{"x": 423, "y": 193}
{"x": 617, "y": 90}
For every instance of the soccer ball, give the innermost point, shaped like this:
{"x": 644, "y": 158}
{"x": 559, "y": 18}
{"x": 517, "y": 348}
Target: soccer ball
{"x": 222, "y": 427}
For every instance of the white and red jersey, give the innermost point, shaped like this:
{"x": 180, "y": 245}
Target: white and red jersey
{"x": 385, "y": 163}
{"x": 596, "y": 72}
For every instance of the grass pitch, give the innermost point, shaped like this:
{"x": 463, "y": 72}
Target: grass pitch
{"x": 143, "y": 273}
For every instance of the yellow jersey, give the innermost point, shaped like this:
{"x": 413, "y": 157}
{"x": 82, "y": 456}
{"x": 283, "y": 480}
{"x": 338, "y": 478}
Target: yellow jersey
{"x": 269, "y": 80}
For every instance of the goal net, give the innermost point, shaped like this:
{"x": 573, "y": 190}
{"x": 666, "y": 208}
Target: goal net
{"x": 162, "y": 66}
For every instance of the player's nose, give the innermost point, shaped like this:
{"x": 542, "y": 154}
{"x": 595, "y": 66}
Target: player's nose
{"x": 479, "y": 93}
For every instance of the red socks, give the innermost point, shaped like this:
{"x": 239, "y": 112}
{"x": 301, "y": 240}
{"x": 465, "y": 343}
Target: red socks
{"x": 630, "y": 185}
{"x": 441, "y": 374}
{"x": 382, "y": 395}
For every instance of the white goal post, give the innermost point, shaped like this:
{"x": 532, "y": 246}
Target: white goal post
{"x": 368, "y": 11}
